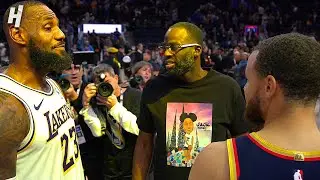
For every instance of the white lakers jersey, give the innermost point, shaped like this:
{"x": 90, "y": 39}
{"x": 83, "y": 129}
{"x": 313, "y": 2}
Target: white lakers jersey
{"x": 50, "y": 150}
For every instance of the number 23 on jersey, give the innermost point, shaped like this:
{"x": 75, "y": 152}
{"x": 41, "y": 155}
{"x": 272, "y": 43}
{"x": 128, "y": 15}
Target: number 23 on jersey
{"x": 69, "y": 141}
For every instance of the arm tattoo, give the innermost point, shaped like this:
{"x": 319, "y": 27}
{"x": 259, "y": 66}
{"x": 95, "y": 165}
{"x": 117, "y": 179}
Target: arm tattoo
{"x": 14, "y": 126}
{"x": 3, "y": 98}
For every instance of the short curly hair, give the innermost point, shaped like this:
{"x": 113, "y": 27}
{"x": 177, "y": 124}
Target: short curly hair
{"x": 294, "y": 61}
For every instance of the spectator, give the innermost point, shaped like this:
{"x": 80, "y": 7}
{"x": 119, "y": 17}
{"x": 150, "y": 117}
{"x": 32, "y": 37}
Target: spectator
{"x": 4, "y": 59}
{"x": 74, "y": 76}
{"x": 70, "y": 35}
{"x": 112, "y": 59}
{"x": 240, "y": 69}
{"x": 143, "y": 69}
{"x": 117, "y": 34}
{"x": 138, "y": 55}
{"x": 114, "y": 121}
{"x": 87, "y": 46}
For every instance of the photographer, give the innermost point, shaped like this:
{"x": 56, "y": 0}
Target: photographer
{"x": 140, "y": 70}
{"x": 72, "y": 84}
{"x": 74, "y": 76}
{"x": 112, "y": 118}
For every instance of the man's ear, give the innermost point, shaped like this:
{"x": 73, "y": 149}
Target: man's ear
{"x": 197, "y": 51}
{"x": 18, "y": 35}
{"x": 116, "y": 77}
{"x": 270, "y": 86}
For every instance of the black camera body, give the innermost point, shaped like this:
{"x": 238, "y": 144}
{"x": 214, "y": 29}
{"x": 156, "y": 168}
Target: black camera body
{"x": 61, "y": 80}
{"x": 136, "y": 81}
{"x": 104, "y": 89}
{"x": 64, "y": 84}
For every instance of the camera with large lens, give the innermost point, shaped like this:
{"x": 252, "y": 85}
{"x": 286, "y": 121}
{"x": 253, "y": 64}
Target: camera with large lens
{"x": 64, "y": 84}
{"x": 103, "y": 88}
{"x": 61, "y": 80}
{"x": 136, "y": 81}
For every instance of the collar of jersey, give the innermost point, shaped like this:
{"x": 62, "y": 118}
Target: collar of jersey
{"x": 281, "y": 152}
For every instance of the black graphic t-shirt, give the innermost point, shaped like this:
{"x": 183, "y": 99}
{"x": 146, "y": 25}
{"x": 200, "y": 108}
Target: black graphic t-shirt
{"x": 187, "y": 117}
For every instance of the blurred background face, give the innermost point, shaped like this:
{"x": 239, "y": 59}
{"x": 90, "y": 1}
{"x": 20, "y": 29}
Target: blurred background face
{"x": 220, "y": 51}
{"x": 122, "y": 50}
{"x": 75, "y": 73}
{"x": 140, "y": 47}
{"x": 253, "y": 111}
{"x": 237, "y": 56}
{"x": 46, "y": 45}
{"x": 145, "y": 72}
{"x": 155, "y": 73}
{"x": 86, "y": 43}
{"x": 146, "y": 56}
{"x": 244, "y": 56}
{"x": 112, "y": 54}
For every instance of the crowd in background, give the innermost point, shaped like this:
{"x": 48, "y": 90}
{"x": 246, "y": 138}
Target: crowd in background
{"x": 231, "y": 31}
{"x": 227, "y": 40}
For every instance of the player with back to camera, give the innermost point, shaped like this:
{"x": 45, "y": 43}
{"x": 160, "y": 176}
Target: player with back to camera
{"x": 281, "y": 92}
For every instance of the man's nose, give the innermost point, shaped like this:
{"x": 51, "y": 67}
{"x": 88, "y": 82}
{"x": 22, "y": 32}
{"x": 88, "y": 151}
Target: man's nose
{"x": 74, "y": 71}
{"x": 167, "y": 53}
{"x": 60, "y": 35}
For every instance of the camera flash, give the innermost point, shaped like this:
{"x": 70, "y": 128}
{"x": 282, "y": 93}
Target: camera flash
{"x": 102, "y": 76}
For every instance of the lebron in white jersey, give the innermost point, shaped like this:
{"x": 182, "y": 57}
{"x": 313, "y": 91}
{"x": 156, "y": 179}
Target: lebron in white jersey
{"x": 50, "y": 150}
{"x": 37, "y": 131}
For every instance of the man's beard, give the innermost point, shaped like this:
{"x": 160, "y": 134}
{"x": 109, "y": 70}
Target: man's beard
{"x": 253, "y": 114}
{"x": 182, "y": 66}
{"x": 45, "y": 61}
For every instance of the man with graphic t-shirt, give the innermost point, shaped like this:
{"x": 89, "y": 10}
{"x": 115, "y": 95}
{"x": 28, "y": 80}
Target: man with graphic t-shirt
{"x": 187, "y": 107}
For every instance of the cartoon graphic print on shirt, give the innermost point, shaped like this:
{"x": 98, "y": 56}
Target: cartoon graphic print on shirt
{"x": 188, "y": 131}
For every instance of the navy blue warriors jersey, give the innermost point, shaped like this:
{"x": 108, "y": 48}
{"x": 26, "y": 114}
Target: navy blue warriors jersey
{"x": 253, "y": 158}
